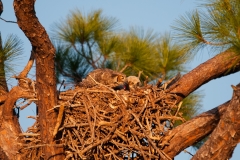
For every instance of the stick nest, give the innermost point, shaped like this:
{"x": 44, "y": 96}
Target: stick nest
{"x": 101, "y": 123}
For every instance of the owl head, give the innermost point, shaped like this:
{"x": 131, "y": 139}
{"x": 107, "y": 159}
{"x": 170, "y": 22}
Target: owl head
{"x": 119, "y": 78}
{"x": 133, "y": 82}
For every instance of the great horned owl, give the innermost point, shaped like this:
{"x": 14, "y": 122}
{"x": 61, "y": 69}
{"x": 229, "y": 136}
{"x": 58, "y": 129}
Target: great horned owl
{"x": 133, "y": 82}
{"x": 103, "y": 76}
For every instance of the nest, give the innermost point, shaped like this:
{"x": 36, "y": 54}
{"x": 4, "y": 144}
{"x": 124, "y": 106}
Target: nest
{"x": 101, "y": 123}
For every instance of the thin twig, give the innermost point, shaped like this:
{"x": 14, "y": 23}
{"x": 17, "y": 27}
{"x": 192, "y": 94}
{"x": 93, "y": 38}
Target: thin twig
{"x": 188, "y": 152}
{"x": 7, "y": 21}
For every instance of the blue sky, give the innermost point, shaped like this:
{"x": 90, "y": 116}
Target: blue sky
{"x": 158, "y": 15}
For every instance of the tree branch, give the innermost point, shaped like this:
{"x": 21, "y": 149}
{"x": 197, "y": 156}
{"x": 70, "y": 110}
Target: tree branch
{"x": 193, "y": 130}
{"x": 196, "y": 129}
{"x": 15, "y": 93}
{"x": 10, "y": 127}
{"x": 28, "y": 67}
{"x": 226, "y": 135}
{"x": 223, "y": 64}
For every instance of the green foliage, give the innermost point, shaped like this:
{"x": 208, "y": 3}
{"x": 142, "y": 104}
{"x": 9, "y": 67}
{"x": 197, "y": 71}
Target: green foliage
{"x": 217, "y": 25}
{"x": 86, "y": 34}
{"x": 189, "y": 29}
{"x": 70, "y": 66}
{"x": 138, "y": 52}
{"x": 173, "y": 57}
{"x": 10, "y": 50}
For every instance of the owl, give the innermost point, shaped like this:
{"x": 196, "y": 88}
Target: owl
{"x": 133, "y": 82}
{"x": 103, "y": 76}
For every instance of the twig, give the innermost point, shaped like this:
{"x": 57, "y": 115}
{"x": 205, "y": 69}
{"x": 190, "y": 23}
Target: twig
{"x": 24, "y": 106}
{"x": 33, "y": 117}
{"x": 179, "y": 106}
{"x": 125, "y": 67}
{"x": 7, "y": 21}
{"x": 139, "y": 74}
{"x": 161, "y": 153}
{"x": 28, "y": 134}
{"x": 187, "y": 152}
{"x": 42, "y": 145}
{"x": 109, "y": 136}
{"x": 28, "y": 67}
{"x": 113, "y": 91}
{"x": 59, "y": 120}
{"x": 60, "y": 87}
{"x": 89, "y": 121}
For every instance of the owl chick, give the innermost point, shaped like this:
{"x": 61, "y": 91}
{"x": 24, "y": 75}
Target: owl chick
{"x": 103, "y": 76}
{"x": 133, "y": 82}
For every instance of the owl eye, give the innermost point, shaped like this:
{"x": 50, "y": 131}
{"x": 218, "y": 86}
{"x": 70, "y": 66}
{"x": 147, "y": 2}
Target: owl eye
{"x": 120, "y": 78}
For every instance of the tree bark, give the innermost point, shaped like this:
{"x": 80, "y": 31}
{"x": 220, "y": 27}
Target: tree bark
{"x": 193, "y": 130}
{"x": 45, "y": 74}
{"x": 226, "y": 135}
{"x": 9, "y": 126}
{"x": 223, "y": 64}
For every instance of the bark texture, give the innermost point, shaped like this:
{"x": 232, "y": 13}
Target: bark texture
{"x": 193, "y": 130}
{"x": 9, "y": 127}
{"x": 226, "y": 135}
{"x": 45, "y": 73}
{"x": 223, "y": 64}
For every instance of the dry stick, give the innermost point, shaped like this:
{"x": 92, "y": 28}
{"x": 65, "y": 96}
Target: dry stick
{"x": 134, "y": 147}
{"x": 7, "y": 21}
{"x": 113, "y": 91}
{"x": 179, "y": 106}
{"x": 109, "y": 136}
{"x": 114, "y": 155}
{"x": 33, "y": 117}
{"x": 78, "y": 136}
{"x": 146, "y": 81}
{"x": 59, "y": 120}
{"x": 89, "y": 120}
{"x": 151, "y": 100}
{"x": 28, "y": 67}
{"x": 162, "y": 154}
{"x": 29, "y": 134}
{"x": 57, "y": 106}
{"x": 24, "y": 106}
{"x": 139, "y": 74}
{"x": 42, "y": 145}
{"x": 73, "y": 146}
{"x": 59, "y": 90}
{"x": 94, "y": 111}
{"x": 187, "y": 152}
{"x": 139, "y": 145}
{"x": 125, "y": 67}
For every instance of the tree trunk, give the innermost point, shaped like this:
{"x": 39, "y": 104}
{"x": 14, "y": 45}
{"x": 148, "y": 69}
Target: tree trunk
{"x": 193, "y": 130}
{"x": 45, "y": 74}
{"x": 226, "y": 135}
